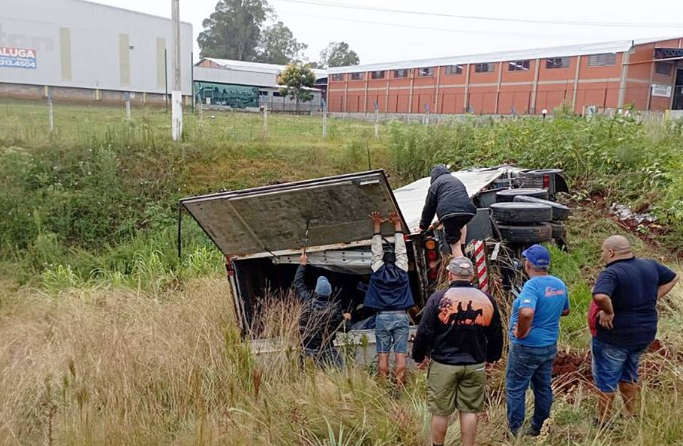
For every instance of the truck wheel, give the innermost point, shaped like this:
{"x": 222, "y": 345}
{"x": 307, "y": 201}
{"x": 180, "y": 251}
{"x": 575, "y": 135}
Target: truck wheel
{"x": 559, "y": 231}
{"x": 560, "y": 211}
{"x": 526, "y": 234}
{"x": 508, "y": 195}
{"x": 521, "y": 212}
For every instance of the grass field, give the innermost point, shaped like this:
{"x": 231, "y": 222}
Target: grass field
{"x": 107, "y": 338}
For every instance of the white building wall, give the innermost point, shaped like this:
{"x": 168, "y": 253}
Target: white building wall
{"x": 237, "y": 77}
{"x": 96, "y": 35}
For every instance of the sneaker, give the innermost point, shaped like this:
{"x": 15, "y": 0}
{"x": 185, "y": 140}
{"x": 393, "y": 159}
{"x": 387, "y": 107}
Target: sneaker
{"x": 532, "y": 432}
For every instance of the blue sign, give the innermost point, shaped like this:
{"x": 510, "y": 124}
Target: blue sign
{"x": 18, "y": 58}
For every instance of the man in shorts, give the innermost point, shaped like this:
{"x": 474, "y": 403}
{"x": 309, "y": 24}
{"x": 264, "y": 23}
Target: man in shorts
{"x": 625, "y": 295}
{"x": 390, "y": 296}
{"x": 460, "y": 331}
{"x": 448, "y": 199}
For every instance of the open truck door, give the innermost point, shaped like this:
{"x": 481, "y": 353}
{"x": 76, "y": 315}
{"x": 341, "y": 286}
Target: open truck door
{"x": 261, "y": 230}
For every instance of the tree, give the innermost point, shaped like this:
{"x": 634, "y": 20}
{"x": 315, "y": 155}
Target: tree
{"x": 233, "y": 29}
{"x": 338, "y": 54}
{"x": 278, "y": 46}
{"x": 295, "y": 80}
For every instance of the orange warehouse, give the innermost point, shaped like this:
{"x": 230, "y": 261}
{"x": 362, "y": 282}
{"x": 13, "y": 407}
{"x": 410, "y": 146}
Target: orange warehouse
{"x": 647, "y": 74}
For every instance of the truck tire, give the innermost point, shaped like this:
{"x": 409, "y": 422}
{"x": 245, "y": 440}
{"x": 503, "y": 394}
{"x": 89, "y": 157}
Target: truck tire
{"x": 509, "y": 195}
{"x": 521, "y": 212}
{"x": 560, "y": 211}
{"x": 559, "y": 230}
{"x": 526, "y": 234}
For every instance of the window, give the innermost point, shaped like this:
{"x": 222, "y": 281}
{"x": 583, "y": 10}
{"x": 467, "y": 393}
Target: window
{"x": 602, "y": 60}
{"x": 454, "y": 69}
{"x": 556, "y": 62}
{"x": 377, "y": 74}
{"x": 663, "y": 68}
{"x": 518, "y": 65}
{"x": 357, "y": 76}
{"x": 263, "y": 93}
{"x": 277, "y": 94}
{"x": 338, "y": 77}
{"x": 429, "y": 71}
{"x": 401, "y": 73}
{"x": 483, "y": 68}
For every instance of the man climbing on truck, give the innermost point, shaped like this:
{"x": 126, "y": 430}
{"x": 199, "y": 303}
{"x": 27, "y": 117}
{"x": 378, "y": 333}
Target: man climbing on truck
{"x": 389, "y": 294}
{"x": 448, "y": 199}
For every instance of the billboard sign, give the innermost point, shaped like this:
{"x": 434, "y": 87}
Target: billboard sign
{"x": 18, "y": 58}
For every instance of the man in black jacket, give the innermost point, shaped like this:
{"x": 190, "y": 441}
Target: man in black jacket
{"x": 320, "y": 319}
{"x": 460, "y": 330}
{"x": 448, "y": 199}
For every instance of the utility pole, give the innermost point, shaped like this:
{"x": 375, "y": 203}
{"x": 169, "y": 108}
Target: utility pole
{"x": 176, "y": 93}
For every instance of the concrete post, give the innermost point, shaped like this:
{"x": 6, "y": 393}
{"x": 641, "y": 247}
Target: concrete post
{"x": 466, "y": 100}
{"x": 176, "y": 93}
{"x": 534, "y": 88}
{"x": 500, "y": 79}
{"x": 626, "y": 55}
{"x": 576, "y": 82}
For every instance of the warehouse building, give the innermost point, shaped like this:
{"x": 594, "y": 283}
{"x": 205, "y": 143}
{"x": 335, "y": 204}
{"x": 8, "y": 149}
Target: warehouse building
{"x": 238, "y": 84}
{"x": 647, "y": 74}
{"x": 76, "y": 50}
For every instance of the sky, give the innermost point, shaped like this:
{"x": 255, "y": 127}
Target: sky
{"x": 429, "y": 29}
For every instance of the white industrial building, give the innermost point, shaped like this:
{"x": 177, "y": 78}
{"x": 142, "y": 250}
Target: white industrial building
{"x": 239, "y": 84}
{"x": 84, "y": 51}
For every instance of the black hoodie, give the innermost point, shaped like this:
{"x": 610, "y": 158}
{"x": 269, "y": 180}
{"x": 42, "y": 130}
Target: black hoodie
{"x": 447, "y": 197}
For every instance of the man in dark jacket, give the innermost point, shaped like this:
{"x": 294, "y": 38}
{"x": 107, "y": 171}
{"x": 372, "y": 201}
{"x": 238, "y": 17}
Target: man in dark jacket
{"x": 448, "y": 199}
{"x": 320, "y": 319}
{"x": 460, "y": 330}
{"x": 389, "y": 294}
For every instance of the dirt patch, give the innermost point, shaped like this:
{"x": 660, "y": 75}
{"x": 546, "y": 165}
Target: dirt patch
{"x": 570, "y": 370}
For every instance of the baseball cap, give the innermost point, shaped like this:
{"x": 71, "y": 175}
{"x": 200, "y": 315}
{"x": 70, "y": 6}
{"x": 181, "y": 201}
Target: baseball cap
{"x": 461, "y": 267}
{"x": 538, "y": 256}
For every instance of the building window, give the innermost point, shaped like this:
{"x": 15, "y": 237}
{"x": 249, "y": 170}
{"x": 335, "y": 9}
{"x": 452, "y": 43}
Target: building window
{"x": 277, "y": 94}
{"x": 429, "y": 71}
{"x": 602, "y": 60}
{"x": 518, "y": 65}
{"x": 556, "y": 62}
{"x": 377, "y": 74}
{"x": 338, "y": 77}
{"x": 663, "y": 68}
{"x": 454, "y": 69}
{"x": 263, "y": 93}
{"x": 483, "y": 68}
{"x": 401, "y": 73}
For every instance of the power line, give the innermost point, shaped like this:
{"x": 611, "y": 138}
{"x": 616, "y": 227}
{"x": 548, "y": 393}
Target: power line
{"x": 429, "y": 28}
{"x": 493, "y": 19}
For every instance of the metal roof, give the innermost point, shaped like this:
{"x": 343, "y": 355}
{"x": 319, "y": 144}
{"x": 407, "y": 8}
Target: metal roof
{"x": 239, "y": 65}
{"x": 504, "y": 56}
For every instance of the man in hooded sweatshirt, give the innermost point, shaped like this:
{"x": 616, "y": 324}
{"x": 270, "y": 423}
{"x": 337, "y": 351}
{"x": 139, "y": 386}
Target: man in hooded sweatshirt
{"x": 389, "y": 294}
{"x": 448, "y": 199}
{"x": 320, "y": 319}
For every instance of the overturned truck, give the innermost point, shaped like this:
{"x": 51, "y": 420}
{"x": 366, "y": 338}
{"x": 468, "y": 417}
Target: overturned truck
{"x": 261, "y": 231}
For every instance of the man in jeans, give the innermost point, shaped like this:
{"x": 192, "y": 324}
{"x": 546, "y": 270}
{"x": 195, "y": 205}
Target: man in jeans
{"x": 625, "y": 295}
{"x": 389, "y": 294}
{"x": 534, "y": 329}
{"x": 461, "y": 331}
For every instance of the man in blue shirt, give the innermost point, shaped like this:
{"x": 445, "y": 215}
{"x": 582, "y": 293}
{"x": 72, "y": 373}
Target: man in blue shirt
{"x": 626, "y": 293}
{"x": 534, "y": 329}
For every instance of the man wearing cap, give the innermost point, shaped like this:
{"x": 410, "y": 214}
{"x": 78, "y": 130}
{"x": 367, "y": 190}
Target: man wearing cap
{"x": 389, "y": 294}
{"x": 534, "y": 329}
{"x": 460, "y": 331}
{"x": 624, "y": 318}
{"x": 320, "y": 319}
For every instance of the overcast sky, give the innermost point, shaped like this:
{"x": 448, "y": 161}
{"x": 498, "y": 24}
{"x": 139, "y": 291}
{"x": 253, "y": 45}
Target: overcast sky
{"x": 383, "y": 36}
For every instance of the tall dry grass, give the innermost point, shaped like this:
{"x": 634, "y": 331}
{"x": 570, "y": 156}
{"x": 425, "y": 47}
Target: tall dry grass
{"x": 124, "y": 367}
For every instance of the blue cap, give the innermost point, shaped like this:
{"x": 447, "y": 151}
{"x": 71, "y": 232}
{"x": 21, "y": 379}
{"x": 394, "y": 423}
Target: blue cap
{"x": 323, "y": 287}
{"x": 538, "y": 256}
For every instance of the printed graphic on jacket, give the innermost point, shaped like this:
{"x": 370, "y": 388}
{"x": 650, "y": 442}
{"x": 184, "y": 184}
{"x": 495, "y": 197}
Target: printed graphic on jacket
{"x": 465, "y": 306}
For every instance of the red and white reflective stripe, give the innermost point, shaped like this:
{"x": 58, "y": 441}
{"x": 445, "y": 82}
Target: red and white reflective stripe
{"x": 480, "y": 264}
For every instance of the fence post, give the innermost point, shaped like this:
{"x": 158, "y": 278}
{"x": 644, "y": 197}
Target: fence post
{"x": 426, "y": 107}
{"x": 376, "y": 104}
{"x": 126, "y": 96}
{"x": 50, "y": 110}
{"x": 265, "y": 121}
{"x": 324, "y": 103}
